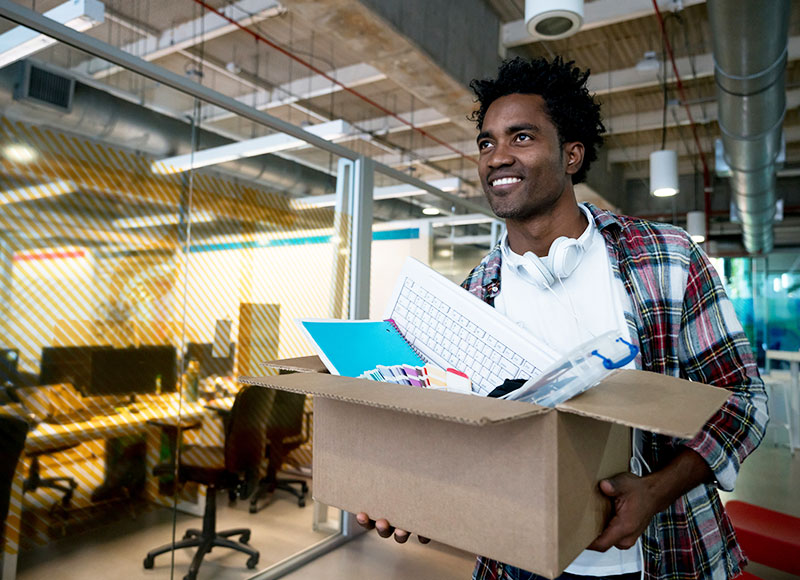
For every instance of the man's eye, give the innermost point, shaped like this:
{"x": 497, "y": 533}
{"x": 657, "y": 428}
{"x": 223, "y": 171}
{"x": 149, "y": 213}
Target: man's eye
{"x": 483, "y": 145}
{"x": 524, "y": 137}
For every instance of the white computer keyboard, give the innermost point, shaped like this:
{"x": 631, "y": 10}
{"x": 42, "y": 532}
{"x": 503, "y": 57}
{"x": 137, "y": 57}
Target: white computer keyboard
{"x": 452, "y": 328}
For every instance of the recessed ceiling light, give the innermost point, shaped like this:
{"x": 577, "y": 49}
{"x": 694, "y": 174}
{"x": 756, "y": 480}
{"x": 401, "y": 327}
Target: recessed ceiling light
{"x": 431, "y": 211}
{"x": 19, "y": 153}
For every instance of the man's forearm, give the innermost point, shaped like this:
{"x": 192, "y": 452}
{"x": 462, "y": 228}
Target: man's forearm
{"x": 686, "y": 471}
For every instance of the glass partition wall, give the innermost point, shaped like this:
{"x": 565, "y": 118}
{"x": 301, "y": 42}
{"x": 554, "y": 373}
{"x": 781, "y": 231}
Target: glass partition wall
{"x": 158, "y": 239}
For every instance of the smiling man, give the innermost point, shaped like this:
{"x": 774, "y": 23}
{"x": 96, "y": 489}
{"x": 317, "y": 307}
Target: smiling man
{"x": 567, "y": 272}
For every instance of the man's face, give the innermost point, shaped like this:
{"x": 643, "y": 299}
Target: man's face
{"x": 522, "y": 166}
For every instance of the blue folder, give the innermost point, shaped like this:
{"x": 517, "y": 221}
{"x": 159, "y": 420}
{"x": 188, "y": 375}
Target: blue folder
{"x": 350, "y": 347}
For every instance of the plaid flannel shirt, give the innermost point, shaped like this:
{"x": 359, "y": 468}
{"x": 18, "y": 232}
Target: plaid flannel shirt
{"x": 685, "y": 326}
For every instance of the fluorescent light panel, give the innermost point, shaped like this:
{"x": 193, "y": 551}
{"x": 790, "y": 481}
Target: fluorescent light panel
{"x": 163, "y": 219}
{"x": 19, "y": 42}
{"x": 38, "y": 191}
{"x": 249, "y": 148}
{"x": 379, "y": 193}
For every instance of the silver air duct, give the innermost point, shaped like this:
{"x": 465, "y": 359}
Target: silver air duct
{"x": 99, "y": 115}
{"x": 750, "y": 49}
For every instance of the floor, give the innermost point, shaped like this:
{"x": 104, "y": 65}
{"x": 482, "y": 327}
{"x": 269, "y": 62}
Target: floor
{"x": 770, "y": 477}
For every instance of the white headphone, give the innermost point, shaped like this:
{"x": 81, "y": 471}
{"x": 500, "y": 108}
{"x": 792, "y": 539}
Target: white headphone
{"x": 562, "y": 260}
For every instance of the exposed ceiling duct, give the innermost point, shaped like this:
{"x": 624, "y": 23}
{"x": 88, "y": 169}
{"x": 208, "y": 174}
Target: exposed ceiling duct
{"x": 100, "y": 115}
{"x": 750, "y": 52}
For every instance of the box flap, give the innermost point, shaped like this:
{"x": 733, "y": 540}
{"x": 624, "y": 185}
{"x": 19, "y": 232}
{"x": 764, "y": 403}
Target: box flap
{"x": 650, "y": 401}
{"x": 302, "y": 364}
{"x": 467, "y": 409}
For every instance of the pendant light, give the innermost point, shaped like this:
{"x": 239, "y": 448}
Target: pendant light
{"x": 664, "y": 173}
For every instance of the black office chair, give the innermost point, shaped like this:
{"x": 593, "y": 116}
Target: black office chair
{"x": 232, "y": 467}
{"x": 34, "y": 480}
{"x": 287, "y": 429}
{"x": 13, "y": 431}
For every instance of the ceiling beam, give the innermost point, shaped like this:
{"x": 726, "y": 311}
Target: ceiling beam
{"x": 301, "y": 89}
{"x": 187, "y": 34}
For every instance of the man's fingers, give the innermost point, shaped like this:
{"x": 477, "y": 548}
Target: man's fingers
{"x": 364, "y": 521}
{"x": 383, "y": 528}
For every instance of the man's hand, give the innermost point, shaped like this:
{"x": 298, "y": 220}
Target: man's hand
{"x": 634, "y": 507}
{"x": 385, "y": 529}
{"x": 637, "y": 499}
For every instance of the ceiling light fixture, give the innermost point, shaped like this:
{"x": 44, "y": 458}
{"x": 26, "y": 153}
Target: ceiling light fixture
{"x": 249, "y": 148}
{"x": 379, "y": 193}
{"x": 36, "y": 191}
{"x": 162, "y": 219}
{"x": 553, "y": 19}
{"x": 648, "y": 63}
{"x": 430, "y": 210}
{"x": 19, "y": 42}
{"x": 696, "y": 225}
{"x": 19, "y": 153}
{"x": 664, "y": 173}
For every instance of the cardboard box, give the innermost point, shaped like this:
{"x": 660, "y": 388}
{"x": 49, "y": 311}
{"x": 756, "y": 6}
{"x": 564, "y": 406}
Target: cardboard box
{"x": 512, "y": 481}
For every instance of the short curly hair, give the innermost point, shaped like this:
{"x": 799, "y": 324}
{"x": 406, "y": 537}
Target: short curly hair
{"x": 571, "y": 108}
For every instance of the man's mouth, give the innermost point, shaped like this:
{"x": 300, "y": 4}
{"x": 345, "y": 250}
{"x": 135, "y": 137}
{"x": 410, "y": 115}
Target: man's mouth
{"x": 504, "y": 181}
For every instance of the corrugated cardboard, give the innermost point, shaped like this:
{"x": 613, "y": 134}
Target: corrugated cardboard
{"x": 509, "y": 480}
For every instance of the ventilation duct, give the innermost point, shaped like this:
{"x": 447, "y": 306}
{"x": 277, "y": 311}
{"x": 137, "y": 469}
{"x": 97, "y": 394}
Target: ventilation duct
{"x": 43, "y": 87}
{"x": 750, "y": 49}
{"x": 96, "y": 114}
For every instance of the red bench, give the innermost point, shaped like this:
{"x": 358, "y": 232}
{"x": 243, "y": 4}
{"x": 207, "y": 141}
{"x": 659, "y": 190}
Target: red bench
{"x": 768, "y": 537}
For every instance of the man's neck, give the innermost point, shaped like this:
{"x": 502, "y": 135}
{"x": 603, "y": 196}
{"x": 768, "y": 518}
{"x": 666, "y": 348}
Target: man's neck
{"x": 537, "y": 233}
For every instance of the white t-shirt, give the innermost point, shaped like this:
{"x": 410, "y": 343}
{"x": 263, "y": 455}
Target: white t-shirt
{"x": 589, "y": 302}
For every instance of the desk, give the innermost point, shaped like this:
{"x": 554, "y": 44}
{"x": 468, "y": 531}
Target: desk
{"x": 793, "y": 358}
{"x": 45, "y": 436}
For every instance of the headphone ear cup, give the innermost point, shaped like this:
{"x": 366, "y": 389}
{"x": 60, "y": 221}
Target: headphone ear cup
{"x": 566, "y": 254}
{"x": 534, "y": 270}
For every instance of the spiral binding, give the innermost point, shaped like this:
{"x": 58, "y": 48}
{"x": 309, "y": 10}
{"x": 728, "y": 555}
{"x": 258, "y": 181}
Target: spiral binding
{"x": 411, "y": 346}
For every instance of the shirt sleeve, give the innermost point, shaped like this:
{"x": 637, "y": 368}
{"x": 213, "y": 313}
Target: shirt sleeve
{"x": 714, "y": 350}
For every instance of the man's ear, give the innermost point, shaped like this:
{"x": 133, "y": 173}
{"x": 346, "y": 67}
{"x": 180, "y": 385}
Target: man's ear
{"x": 573, "y": 152}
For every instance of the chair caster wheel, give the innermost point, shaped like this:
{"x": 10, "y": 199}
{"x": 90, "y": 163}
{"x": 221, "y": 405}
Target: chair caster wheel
{"x": 304, "y": 487}
{"x": 148, "y": 562}
{"x": 253, "y": 508}
{"x": 301, "y": 502}
{"x": 252, "y": 561}
{"x": 245, "y": 538}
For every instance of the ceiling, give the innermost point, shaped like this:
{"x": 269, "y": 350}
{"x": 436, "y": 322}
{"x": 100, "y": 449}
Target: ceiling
{"x": 382, "y": 81}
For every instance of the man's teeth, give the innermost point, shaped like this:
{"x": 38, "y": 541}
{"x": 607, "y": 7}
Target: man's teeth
{"x": 506, "y": 181}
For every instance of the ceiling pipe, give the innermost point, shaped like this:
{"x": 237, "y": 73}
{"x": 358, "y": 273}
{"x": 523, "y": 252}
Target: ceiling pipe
{"x": 99, "y": 115}
{"x": 750, "y": 40}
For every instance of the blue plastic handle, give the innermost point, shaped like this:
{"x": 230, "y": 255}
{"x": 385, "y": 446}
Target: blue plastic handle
{"x": 610, "y": 364}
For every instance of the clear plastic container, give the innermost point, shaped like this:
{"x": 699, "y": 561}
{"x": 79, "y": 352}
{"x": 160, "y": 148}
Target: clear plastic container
{"x": 578, "y": 371}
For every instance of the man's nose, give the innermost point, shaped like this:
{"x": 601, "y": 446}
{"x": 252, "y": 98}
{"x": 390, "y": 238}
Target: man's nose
{"x": 500, "y": 156}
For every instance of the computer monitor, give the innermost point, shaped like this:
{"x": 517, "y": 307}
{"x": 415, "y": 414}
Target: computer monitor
{"x": 202, "y": 352}
{"x": 68, "y": 364}
{"x": 9, "y": 358}
{"x": 133, "y": 371}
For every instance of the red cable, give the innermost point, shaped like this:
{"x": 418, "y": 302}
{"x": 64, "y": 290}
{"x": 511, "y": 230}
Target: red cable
{"x": 706, "y": 174}
{"x": 331, "y": 79}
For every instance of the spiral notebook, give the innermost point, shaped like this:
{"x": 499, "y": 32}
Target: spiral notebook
{"x": 351, "y": 347}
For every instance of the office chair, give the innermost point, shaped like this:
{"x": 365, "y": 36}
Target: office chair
{"x": 232, "y": 467}
{"x": 38, "y": 403}
{"x": 13, "y": 431}
{"x": 285, "y": 432}
{"x": 34, "y": 480}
